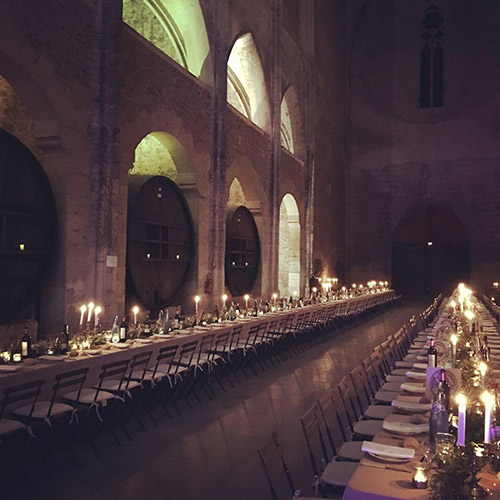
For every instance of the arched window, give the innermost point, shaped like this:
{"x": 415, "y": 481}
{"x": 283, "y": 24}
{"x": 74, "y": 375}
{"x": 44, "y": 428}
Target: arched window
{"x": 246, "y": 86}
{"x": 431, "y": 59}
{"x": 176, "y": 27}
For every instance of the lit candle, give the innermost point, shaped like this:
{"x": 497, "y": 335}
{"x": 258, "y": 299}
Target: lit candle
{"x": 454, "y": 340}
{"x": 275, "y": 296}
{"x": 419, "y": 479}
{"x": 135, "y": 310}
{"x": 462, "y": 406}
{"x": 488, "y": 401}
{"x": 196, "y": 302}
{"x": 97, "y": 311}
{"x": 82, "y": 313}
{"x": 483, "y": 368}
{"x": 91, "y": 308}
{"x": 224, "y": 299}
{"x": 246, "y": 297}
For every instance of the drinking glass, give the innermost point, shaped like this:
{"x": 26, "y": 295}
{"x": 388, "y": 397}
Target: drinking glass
{"x": 444, "y": 445}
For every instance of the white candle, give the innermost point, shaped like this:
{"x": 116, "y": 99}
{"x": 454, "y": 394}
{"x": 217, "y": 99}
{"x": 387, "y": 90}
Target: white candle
{"x": 483, "y": 368}
{"x": 246, "y": 300}
{"x": 224, "y": 298}
{"x": 275, "y": 296}
{"x": 135, "y": 310}
{"x": 82, "y": 313}
{"x": 91, "y": 307}
{"x": 488, "y": 401}
{"x": 97, "y": 311}
{"x": 196, "y": 301}
{"x": 454, "y": 340}
{"x": 462, "y": 406}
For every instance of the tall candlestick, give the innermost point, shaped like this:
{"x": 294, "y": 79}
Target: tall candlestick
{"x": 454, "y": 340}
{"x": 488, "y": 401}
{"x": 224, "y": 299}
{"x": 196, "y": 302}
{"x": 97, "y": 311}
{"x": 462, "y": 406}
{"x": 89, "y": 316}
{"x": 82, "y": 313}
{"x": 275, "y": 296}
{"x": 246, "y": 297}
{"x": 135, "y": 310}
{"x": 483, "y": 368}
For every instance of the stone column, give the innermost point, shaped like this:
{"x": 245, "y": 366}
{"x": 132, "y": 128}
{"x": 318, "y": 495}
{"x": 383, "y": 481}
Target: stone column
{"x": 105, "y": 273}
{"x": 217, "y": 222}
{"x": 272, "y": 284}
{"x": 310, "y": 136}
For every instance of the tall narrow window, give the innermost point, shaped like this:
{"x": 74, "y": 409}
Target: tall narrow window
{"x": 431, "y": 59}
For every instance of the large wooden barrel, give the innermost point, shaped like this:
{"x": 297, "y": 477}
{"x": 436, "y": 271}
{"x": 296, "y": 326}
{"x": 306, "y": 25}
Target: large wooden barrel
{"x": 242, "y": 251}
{"x": 27, "y": 226}
{"x": 160, "y": 240}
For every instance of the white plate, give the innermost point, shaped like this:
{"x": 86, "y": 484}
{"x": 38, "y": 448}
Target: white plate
{"x": 420, "y": 366}
{"x": 416, "y": 375}
{"x": 53, "y": 357}
{"x": 384, "y": 458}
{"x": 405, "y": 428}
{"x": 9, "y": 368}
{"x": 121, "y": 346}
{"x": 93, "y": 352}
{"x": 143, "y": 341}
{"x": 414, "y": 389}
{"x": 411, "y": 407}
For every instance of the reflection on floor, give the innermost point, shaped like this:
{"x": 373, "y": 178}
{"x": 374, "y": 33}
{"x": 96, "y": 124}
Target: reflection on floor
{"x": 209, "y": 453}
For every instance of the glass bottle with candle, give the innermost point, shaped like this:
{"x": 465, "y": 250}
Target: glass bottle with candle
{"x": 115, "y": 331}
{"x": 440, "y": 410}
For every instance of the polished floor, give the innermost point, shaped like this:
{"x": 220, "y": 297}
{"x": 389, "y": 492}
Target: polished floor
{"x": 209, "y": 453}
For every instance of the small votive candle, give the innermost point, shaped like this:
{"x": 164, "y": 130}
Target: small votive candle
{"x": 419, "y": 478}
{"x": 16, "y": 357}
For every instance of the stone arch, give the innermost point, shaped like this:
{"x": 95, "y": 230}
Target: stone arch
{"x": 246, "y": 85}
{"x": 292, "y": 123}
{"x": 160, "y": 153}
{"x": 236, "y": 196}
{"x": 175, "y": 27}
{"x": 289, "y": 246}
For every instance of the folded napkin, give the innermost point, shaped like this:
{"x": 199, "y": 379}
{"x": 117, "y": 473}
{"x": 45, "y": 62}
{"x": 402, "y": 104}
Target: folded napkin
{"x": 413, "y": 388}
{"x": 406, "y": 405}
{"x": 416, "y": 375}
{"x": 385, "y": 450}
{"x": 420, "y": 366}
{"x": 405, "y": 428}
{"x": 422, "y": 358}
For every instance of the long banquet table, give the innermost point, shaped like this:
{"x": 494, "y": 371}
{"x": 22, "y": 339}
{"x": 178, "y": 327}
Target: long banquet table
{"x": 379, "y": 480}
{"x": 46, "y": 370}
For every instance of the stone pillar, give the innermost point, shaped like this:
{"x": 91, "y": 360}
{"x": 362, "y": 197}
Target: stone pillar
{"x": 310, "y": 136}
{"x": 217, "y": 222}
{"x": 272, "y": 284}
{"x": 104, "y": 178}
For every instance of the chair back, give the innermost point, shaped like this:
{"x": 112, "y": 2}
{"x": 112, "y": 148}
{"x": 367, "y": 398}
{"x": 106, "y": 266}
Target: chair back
{"x": 74, "y": 378}
{"x": 252, "y": 336}
{"x": 359, "y": 384}
{"x": 186, "y": 354}
{"x": 21, "y": 393}
{"x": 138, "y": 366}
{"x": 221, "y": 343}
{"x": 348, "y": 403}
{"x": 235, "y": 337}
{"x": 271, "y": 453}
{"x": 329, "y": 406}
{"x": 205, "y": 347}
{"x": 165, "y": 356}
{"x": 313, "y": 433}
{"x": 115, "y": 371}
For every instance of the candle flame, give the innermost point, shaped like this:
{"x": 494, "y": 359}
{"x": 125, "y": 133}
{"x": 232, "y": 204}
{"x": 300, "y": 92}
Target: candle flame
{"x": 135, "y": 309}
{"x": 461, "y": 399}
{"x": 197, "y": 298}
{"x": 453, "y": 339}
{"x": 483, "y": 368}
{"x": 488, "y": 399}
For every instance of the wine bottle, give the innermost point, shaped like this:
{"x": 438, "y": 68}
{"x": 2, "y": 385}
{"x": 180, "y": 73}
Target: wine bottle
{"x": 440, "y": 410}
{"x": 147, "y": 327}
{"x": 123, "y": 330}
{"x": 26, "y": 344}
{"x": 64, "y": 340}
{"x": 216, "y": 313}
{"x": 432, "y": 355}
{"x": 177, "y": 320}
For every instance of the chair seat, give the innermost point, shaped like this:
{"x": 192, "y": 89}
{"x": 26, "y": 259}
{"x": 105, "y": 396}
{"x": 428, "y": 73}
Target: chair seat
{"x": 148, "y": 375}
{"x": 41, "y": 410}
{"x": 118, "y": 385}
{"x": 377, "y": 412}
{"x": 386, "y": 396}
{"x": 338, "y": 473}
{"x": 391, "y": 386}
{"x": 368, "y": 428}
{"x": 167, "y": 369}
{"x": 87, "y": 396}
{"x": 351, "y": 450}
{"x": 399, "y": 371}
{"x": 7, "y": 425}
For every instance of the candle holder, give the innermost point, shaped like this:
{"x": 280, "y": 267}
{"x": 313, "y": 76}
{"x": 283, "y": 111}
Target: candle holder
{"x": 479, "y": 460}
{"x": 419, "y": 480}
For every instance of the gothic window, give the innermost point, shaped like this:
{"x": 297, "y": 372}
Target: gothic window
{"x": 431, "y": 59}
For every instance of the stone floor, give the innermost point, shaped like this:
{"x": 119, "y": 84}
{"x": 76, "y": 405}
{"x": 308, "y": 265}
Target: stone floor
{"x": 209, "y": 453}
